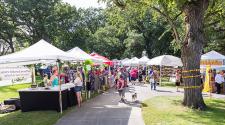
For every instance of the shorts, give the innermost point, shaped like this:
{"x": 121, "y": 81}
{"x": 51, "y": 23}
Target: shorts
{"x": 151, "y": 80}
{"x": 77, "y": 88}
{"x": 177, "y": 83}
{"x": 122, "y": 92}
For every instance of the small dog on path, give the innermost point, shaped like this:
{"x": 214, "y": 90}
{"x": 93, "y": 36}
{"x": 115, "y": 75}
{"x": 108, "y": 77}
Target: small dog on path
{"x": 134, "y": 97}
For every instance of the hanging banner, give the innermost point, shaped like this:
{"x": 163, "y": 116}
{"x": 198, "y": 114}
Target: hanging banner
{"x": 14, "y": 75}
{"x": 212, "y": 62}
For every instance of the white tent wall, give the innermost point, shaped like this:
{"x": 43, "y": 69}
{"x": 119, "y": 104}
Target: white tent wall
{"x": 165, "y": 60}
{"x": 132, "y": 62}
{"x": 212, "y": 55}
{"x": 39, "y": 51}
{"x": 82, "y": 55}
{"x": 143, "y": 60}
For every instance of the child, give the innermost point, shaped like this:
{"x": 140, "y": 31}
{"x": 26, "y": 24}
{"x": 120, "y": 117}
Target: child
{"x": 45, "y": 80}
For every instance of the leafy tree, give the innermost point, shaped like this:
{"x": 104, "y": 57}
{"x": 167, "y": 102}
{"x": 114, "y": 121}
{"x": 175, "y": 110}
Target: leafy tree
{"x": 105, "y": 41}
{"x": 154, "y": 30}
{"x": 134, "y": 45}
{"x": 191, "y": 41}
{"x": 92, "y": 18}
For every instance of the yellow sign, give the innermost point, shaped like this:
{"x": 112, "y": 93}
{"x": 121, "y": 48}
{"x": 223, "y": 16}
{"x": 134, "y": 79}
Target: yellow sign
{"x": 211, "y": 62}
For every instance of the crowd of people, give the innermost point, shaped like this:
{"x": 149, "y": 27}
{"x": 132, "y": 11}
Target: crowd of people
{"x": 100, "y": 78}
{"x": 216, "y": 80}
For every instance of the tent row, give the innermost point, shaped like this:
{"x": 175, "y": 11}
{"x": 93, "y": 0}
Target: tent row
{"x": 164, "y": 60}
{"x": 211, "y": 58}
{"x": 44, "y": 52}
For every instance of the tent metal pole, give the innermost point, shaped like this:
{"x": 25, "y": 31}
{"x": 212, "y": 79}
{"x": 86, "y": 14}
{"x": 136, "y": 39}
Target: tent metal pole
{"x": 160, "y": 78}
{"x": 33, "y": 75}
{"x": 60, "y": 90}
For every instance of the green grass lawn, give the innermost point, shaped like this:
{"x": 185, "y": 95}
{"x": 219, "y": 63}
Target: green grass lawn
{"x": 25, "y": 118}
{"x": 169, "y": 111}
{"x": 28, "y": 118}
{"x": 168, "y": 84}
{"x": 7, "y": 92}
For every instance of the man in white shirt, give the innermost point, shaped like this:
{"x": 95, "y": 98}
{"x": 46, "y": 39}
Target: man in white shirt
{"x": 219, "y": 79}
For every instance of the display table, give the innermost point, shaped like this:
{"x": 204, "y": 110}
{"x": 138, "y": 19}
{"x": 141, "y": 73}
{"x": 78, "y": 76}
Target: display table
{"x": 47, "y": 99}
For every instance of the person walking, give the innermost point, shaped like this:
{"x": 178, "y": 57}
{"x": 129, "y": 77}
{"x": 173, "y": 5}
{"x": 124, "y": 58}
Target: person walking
{"x": 219, "y": 79}
{"x": 78, "y": 87}
{"x": 120, "y": 88}
{"x": 152, "y": 80}
{"x": 178, "y": 79}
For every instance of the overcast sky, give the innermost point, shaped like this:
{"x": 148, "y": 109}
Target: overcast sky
{"x": 85, "y": 3}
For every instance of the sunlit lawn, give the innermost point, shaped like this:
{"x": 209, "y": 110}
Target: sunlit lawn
{"x": 7, "y": 92}
{"x": 169, "y": 111}
{"x": 28, "y": 118}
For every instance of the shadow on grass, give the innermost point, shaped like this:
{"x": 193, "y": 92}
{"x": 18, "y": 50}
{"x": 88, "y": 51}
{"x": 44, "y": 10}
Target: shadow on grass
{"x": 177, "y": 102}
{"x": 164, "y": 91}
{"x": 31, "y": 118}
{"x": 214, "y": 113}
{"x": 133, "y": 103}
{"x": 144, "y": 105}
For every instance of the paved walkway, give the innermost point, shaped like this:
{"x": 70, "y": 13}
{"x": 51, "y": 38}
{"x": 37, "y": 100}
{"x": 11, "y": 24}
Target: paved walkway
{"x": 106, "y": 109}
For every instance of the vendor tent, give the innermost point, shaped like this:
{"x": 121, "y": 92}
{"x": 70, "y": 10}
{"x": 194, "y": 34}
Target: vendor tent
{"x": 209, "y": 61}
{"x": 104, "y": 59}
{"x": 79, "y": 53}
{"x": 143, "y": 60}
{"x": 212, "y": 55}
{"x": 212, "y": 58}
{"x": 116, "y": 62}
{"x": 165, "y": 60}
{"x": 37, "y": 53}
{"x": 132, "y": 62}
{"x": 124, "y": 61}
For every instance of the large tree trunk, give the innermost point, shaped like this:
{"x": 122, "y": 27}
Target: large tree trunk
{"x": 191, "y": 52}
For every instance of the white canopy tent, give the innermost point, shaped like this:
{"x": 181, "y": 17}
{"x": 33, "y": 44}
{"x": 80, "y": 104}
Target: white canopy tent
{"x": 213, "y": 59}
{"x": 132, "y": 62}
{"x": 165, "y": 60}
{"x": 80, "y": 54}
{"x": 143, "y": 60}
{"x": 212, "y": 55}
{"x": 37, "y": 53}
{"x": 124, "y": 60}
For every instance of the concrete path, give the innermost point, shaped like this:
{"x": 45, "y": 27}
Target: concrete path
{"x": 106, "y": 109}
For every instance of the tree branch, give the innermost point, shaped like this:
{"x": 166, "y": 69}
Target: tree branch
{"x": 212, "y": 13}
{"x": 210, "y": 24}
{"x": 176, "y": 35}
{"x": 175, "y": 18}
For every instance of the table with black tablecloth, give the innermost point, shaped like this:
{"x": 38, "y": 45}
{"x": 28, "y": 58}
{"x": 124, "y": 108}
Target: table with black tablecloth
{"x": 35, "y": 99}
